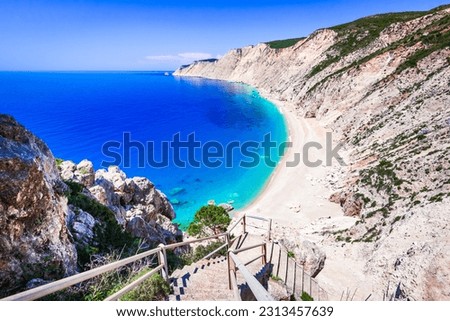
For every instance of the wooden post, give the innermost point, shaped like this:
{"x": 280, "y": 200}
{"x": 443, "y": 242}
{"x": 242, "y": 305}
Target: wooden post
{"x": 230, "y": 286}
{"x": 287, "y": 268}
{"x": 228, "y": 240}
{"x": 303, "y": 279}
{"x": 271, "y": 252}
{"x": 264, "y": 252}
{"x": 295, "y": 278}
{"x": 244, "y": 224}
{"x": 269, "y": 231}
{"x": 279, "y": 260}
{"x": 162, "y": 259}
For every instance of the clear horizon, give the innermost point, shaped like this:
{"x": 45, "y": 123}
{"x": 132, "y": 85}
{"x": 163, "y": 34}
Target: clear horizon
{"x": 139, "y": 35}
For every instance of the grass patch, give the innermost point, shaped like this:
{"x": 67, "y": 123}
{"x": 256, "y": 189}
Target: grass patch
{"x": 281, "y": 44}
{"x": 434, "y": 41}
{"x": 153, "y": 289}
{"x": 275, "y": 278}
{"x": 59, "y": 162}
{"x": 371, "y": 235}
{"x": 306, "y": 297}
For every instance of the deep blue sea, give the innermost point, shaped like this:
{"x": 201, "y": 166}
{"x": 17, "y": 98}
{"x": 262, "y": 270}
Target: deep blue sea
{"x": 76, "y": 113}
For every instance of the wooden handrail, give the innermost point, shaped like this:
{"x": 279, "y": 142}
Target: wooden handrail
{"x": 258, "y": 218}
{"x": 175, "y": 245}
{"x": 258, "y": 290}
{"x": 251, "y": 247}
{"x": 62, "y": 284}
{"x": 236, "y": 224}
{"x": 312, "y": 282}
{"x": 253, "y": 260}
{"x": 258, "y": 227}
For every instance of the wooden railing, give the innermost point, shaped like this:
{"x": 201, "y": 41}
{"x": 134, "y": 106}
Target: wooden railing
{"x": 234, "y": 265}
{"x": 267, "y": 228}
{"x": 293, "y": 274}
{"x": 162, "y": 268}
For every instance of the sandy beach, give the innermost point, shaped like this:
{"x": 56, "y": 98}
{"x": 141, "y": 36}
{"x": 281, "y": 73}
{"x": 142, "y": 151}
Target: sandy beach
{"x": 294, "y": 196}
{"x": 297, "y": 200}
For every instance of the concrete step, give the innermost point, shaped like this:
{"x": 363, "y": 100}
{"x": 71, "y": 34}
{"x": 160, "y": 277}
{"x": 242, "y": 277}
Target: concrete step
{"x": 202, "y": 281}
{"x": 207, "y": 280}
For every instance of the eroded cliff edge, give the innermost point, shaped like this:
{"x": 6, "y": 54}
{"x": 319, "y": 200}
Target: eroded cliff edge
{"x": 381, "y": 85}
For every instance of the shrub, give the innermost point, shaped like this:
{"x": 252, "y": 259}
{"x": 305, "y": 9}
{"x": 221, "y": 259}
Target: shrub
{"x": 108, "y": 234}
{"x": 154, "y": 288}
{"x": 306, "y": 297}
{"x": 209, "y": 217}
{"x": 202, "y": 251}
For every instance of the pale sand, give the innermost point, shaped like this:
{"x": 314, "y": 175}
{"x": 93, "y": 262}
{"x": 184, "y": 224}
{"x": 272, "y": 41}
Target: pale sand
{"x": 293, "y": 196}
{"x": 296, "y": 199}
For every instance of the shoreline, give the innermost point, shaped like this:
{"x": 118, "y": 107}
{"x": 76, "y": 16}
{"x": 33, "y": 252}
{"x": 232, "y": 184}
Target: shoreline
{"x": 295, "y": 190}
{"x": 289, "y": 123}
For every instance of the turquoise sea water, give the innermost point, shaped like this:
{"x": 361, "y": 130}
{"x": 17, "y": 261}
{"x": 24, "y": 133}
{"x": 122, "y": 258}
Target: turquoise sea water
{"x": 77, "y": 113}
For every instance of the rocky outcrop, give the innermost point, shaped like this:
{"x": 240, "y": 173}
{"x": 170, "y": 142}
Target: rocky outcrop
{"x": 381, "y": 85}
{"x": 82, "y": 173}
{"x": 82, "y": 226}
{"x": 351, "y": 205}
{"x": 307, "y": 254}
{"x": 138, "y": 206}
{"x": 34, "y": 240}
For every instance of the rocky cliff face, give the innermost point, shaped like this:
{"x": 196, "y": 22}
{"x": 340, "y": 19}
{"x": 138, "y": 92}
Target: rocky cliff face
{"x": 34, "y": 240}
{"x": 42, "y": 238}
{"x": 381, "y": 84}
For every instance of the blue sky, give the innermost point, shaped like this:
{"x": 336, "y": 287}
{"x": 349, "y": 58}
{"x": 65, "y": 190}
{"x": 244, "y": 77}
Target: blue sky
{"x": 160, "y": 35}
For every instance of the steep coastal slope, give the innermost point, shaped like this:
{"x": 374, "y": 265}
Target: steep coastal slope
{"x": 381, "y": 85}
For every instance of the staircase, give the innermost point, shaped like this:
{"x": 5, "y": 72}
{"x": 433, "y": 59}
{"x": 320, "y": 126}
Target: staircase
{"x": 244, "y": 274}
{"x": 207, "y": 280}
{"x": 200, "y": 282}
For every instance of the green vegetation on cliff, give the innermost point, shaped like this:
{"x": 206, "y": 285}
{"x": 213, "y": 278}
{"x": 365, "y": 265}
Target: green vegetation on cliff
{"x": 280, "y": 44}
{"x": 359, "y": 34}
{"x": 109, "y": 236}
{"x": 431, "y": 38}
